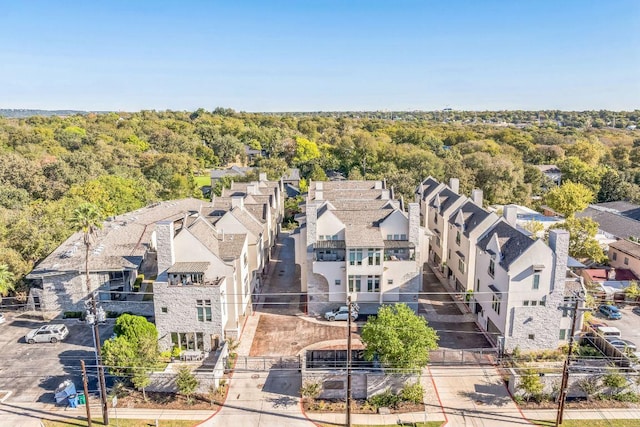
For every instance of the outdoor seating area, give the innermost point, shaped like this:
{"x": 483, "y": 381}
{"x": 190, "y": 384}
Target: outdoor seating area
{"x": 191, "y": 355}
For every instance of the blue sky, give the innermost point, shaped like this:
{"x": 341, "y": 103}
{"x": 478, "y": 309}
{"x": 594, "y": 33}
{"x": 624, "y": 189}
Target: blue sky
{"x": 320, "y": 55}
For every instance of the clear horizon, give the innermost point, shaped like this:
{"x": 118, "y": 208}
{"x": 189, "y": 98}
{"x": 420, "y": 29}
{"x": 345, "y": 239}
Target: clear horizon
{"x": 326, "y": 56}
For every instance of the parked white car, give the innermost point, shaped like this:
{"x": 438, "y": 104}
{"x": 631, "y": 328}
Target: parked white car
{"x": 2, "y": 318}
{"x": 47, "y": 333}
{"x": 341, "y": 313}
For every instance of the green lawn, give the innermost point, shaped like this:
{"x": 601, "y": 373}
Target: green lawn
{"x": 121, "y": 423}
{"x": 591, "y": 423}
{"x": 201, "y": 181}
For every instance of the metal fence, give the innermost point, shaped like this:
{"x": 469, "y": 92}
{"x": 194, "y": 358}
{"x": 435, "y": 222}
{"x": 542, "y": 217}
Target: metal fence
{"x": 244, "y": 363}
{"x": 477, "y": 356}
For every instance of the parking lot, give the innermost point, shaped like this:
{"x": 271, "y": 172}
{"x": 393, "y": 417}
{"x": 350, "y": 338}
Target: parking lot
{"x": 33, "y": 371}
{"x": 629, "y": 324}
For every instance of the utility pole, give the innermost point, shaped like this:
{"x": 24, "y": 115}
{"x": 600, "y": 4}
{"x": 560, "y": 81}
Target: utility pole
{"x": 86, "y": 392}
{"x": 349, "y": 305}
{"x": 103, "y": 387}
{"x": 565, "y": 371}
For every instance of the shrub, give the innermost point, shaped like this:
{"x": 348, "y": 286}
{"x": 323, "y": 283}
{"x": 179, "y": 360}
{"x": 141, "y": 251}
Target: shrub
{"x": 175, "y": 352}
{"x": 138, "y": 282}
{"x": 166, "y": 354}
{"x": 384, "y": 399}
{"x": 531, "y": 384}
{"x": 187, "y": 383}
{"x": 311, "y": 390}
{"x": 412, "y": 393}
{"x": 74, "y": 315}
{"x": 627, "y": 396}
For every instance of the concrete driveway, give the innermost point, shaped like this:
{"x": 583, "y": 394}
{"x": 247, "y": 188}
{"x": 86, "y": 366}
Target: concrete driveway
{"x": 33, "y": 371}
{"x": 456, "y": 329}
{"x": 475, "y": 396}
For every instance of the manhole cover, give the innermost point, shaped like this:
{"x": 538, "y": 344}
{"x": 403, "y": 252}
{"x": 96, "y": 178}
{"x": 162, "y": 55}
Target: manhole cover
{"x": 294, "y": 343}
{"x": 255, "y": 376}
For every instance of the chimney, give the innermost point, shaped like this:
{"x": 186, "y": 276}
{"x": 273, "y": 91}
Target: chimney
{"x": 263, "y": 176}
{"x": 164, "y": 245}
{"x": 611, "y": 274}
{"x": 378, "y": 185}
{"x": 312, "y": 221}
{"x": 559, "y": 244}
{"x": 454, "y": 184}
{"x": 319, "y": 195}
{"x": 237, "y": 201}
{"x": 414, "y": 224}
{"x": 318, "y": 185}
{"x": 253, "y": 188}
{"x": 476, "y": 196}
{"x": 385, "y": 194}
{"x": 510, "y": 213}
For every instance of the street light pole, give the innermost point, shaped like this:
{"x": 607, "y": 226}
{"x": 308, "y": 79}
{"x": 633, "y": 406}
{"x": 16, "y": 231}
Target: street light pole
{"x": 349, "y": 361}
{"x": 565, "y": 371}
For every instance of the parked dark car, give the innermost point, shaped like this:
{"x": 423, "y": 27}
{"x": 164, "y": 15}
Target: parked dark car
{"x": 612, "y": 312}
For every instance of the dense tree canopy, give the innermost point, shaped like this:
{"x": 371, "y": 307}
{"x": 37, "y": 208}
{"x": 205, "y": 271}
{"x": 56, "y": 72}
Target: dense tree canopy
{"x": 120, "y": 161}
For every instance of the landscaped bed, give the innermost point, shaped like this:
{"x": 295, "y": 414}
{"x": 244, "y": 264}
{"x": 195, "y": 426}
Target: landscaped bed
{"x": 358, "y": 407}
{"x": 133, "y": 399}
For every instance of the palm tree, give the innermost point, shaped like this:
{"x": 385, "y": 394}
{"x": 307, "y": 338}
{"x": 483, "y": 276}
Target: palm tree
{"x": 88, "y": 219}
{"x": 7, "y": 280}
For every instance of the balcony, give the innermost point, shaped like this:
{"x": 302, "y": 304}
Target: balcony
{"x": 399, "y": 250}
{"x": 329, "y": 251}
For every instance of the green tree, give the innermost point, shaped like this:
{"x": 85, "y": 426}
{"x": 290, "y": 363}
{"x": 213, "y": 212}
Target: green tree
{"x": 306, "y": 151}
{"x": 399, "y": 338}
{"x": 612, "y": 187}
{"x": 582, "y": 242}
{"x": 186, "y": 382}
{"x": 86, "y": 218}
{"x": 227, "y": 148}
{"x": 569, "y": 198}
{"x": 134, "y": 350}
{"x": 7, "y": 280}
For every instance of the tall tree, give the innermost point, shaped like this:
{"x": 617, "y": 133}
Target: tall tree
{"x": 569, "y": 198}
{"x": 86, "y": 218}
{"x": 582, "y": 241}
{"x": 7, "y": 280}
{"x": 612, "y": 187}
{"x": 399, "y": 338}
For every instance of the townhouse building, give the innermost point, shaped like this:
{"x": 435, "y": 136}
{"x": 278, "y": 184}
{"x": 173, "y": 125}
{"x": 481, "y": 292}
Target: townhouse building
{"x": 517, "y": 285}
{"x": 466, "y": 225}
{"x": 123, "y": 248}
{"x": 356, "y": 240}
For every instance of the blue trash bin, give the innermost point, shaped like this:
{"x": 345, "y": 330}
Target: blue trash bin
{"x": 73, "y": 401}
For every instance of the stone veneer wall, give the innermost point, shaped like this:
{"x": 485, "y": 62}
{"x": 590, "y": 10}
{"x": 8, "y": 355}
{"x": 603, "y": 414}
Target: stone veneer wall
{"x": 181, "y": 316}
{"x": 543, "y": 322}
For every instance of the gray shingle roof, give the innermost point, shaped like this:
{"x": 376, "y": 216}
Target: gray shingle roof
{"x": 188, "y": 267}
{"x": 447, "y": 198}
{"x": 473, "y": 215}
{"x": 231, "y": 245}
{"x": 428, "y": 186}
{"x": 617, "y": 225}
{"x": 627, "y": 209}
{"x": 513, "y": 243}
{"x": 120, "y": 243}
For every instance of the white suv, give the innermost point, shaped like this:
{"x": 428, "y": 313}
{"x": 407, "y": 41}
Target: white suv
{"x": 341, "y": 313}
{"x": 47, "y": 333}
